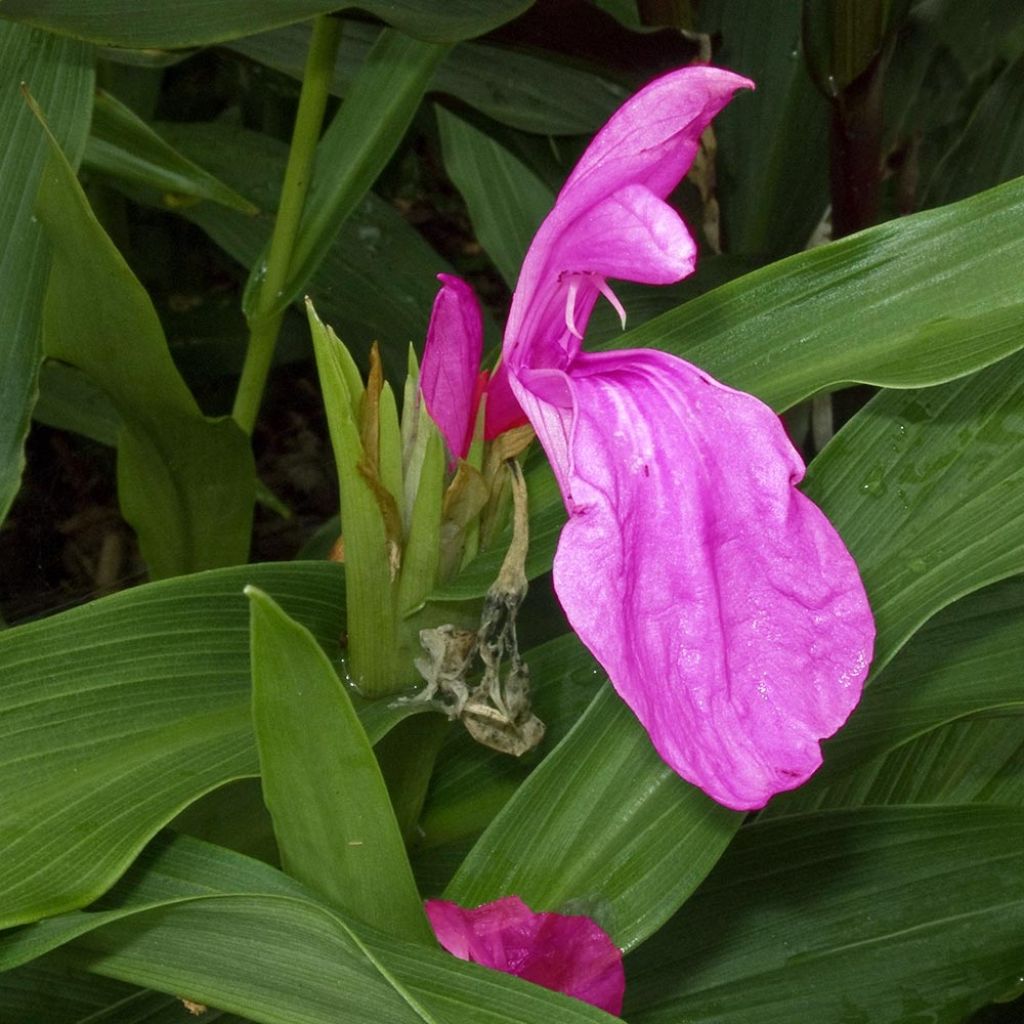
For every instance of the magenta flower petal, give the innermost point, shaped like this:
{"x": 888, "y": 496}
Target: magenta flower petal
{"x": 569, "y": 954}
{"x": 631, "y": 165}
{"x": 451, "y": 363}
{"x": 503, "y": 411}
{"x": 722, "y": 603}
{"x": 720, "y": 600}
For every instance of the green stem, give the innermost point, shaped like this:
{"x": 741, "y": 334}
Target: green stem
{"x": 264, "y": 324}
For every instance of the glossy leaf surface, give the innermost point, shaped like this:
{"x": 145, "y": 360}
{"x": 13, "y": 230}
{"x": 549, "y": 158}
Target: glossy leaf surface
{"x": 332, "y": 816}
{"x": 153, "y": 24}
{"x": 237, "y": 935}
{"x": 60, "y": 74}
{"x": 962, "y": 663}
{"x": 185, "y": 482}
{"x": 879, "y": 914}
{"x": 116, "y": 715}
{"x": 803, "y": 325}
{"x": 532, "y": 92}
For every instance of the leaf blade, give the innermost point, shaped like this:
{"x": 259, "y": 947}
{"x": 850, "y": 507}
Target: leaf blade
{"x": 332, "y": 815}
{"x": 61, "y": 74}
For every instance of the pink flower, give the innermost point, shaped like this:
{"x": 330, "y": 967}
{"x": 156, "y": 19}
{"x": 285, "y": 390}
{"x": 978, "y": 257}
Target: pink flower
{"x": 567, "y": 954}
{"x": 450, "y": 377}
{"x": 722, "y": 603}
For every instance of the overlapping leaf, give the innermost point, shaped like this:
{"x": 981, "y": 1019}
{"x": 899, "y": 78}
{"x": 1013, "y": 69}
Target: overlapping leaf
{"x": 927, "y": 489}
{"x": 773, "y": 143}
{"x": 882, "y": 914}
{"x": 360, "y": 140}
{"x": 333, "y": 820}
{"x": 115, "y": 715}
{"x": 506, "y": 200}
{"x": 59, "y": 73}
{"x": 912, "y": 303}
{"x": 185, "y": 482}
{"x": 377, "y": 280}
{"x": 122, "y": 145}
{"x": 235, "y": 934}
{"x": 518, "y": 88}
{"x": 964, "y": 662}
{"x": 153, "y": 24}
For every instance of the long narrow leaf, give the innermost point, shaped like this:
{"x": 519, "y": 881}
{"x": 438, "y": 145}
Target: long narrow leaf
{"x": 377, "y": 280}
{"x": 116, "y": 715}
{"x": 630, "y": 869}
{"x": 122, "y": 145}
{"x": 235, "y": 934}
{"x": 506, "y": 200}
{"x": 332, "y": 816}
{"x": 531, "y": 92}
{"x": 927, "y": 489}
{"x": 912, "y": 303}
{"x": 186, "y": 483}
{"x": 964, "y": 662}
{"x": 944, "y": 454}
{"x": 60, "y": 75}
{"x": 353, "y": 151}
{"x": 882, "y": 915}
{"x": 156, "y": 25}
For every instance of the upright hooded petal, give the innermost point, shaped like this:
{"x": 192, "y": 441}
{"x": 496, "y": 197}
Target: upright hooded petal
{"x": 451, "y": 363}
{"x": 723, "y": 605}
{"x": 569, "y": 954}
{"x": 610, "y": 219}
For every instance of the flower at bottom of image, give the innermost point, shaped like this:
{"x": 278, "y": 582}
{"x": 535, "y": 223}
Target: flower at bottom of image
{"x": 566, "y": 953}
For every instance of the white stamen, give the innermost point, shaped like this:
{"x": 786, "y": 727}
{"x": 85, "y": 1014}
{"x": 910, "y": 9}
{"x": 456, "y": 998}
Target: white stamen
{"x": 570, "y": 306}
{"x": 606, "y": 290}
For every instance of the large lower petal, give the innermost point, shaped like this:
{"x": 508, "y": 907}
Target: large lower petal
{"x": 720, "y": 600}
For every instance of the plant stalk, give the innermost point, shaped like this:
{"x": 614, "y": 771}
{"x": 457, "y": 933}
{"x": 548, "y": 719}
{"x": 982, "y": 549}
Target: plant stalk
{"x": 264, "y": 324}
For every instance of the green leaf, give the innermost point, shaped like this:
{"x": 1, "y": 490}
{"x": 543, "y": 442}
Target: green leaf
{"x": 991, "y": 148}
{"x": 52, "y": 990}
{"x": 197, "y": 22}
{"x": 964, "y": 661}
{"x": 115, "y": 715}
{"x": 975, "y": 760}
{"x": 927, "y": 490}
{"x": 633, "y": 839}
{"x": 123, "y": 146}
{"x": 378, "y": 279}
{"x": 911, "y": 303}
{"x": 772, "y": 161}
{"x": 69, "y": 400}
{"x": 881, "y": 915}
{"x": 186, "y": 483}
{"x": 506, "y": 200}
{"x": 237, "y": 935}
{"x": 531, "y": 92}
{"x": 361, "y": 139}
{"x": 472, "y": 782}
{"x": 926, "y": 487}
{"x": 374, "y": 657}
{"x": 60, "y": 75}
{"x": 333, "y": 819}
